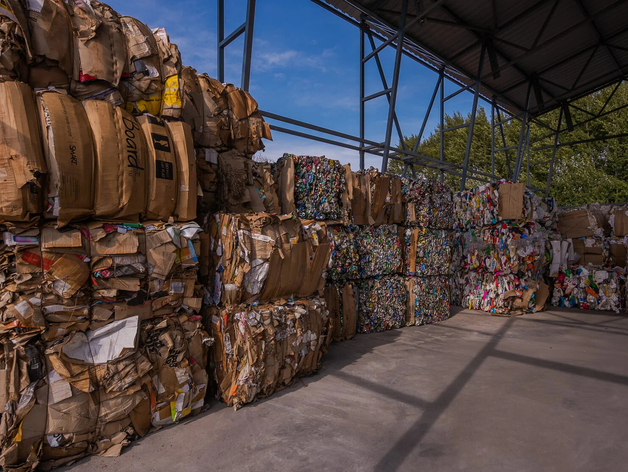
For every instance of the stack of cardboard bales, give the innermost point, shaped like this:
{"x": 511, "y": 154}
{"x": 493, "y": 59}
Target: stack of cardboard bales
{"x": 100, "y": 129}
{"x": 270, "y": 325}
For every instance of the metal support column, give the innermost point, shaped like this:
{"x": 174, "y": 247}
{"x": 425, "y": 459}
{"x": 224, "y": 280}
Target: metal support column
{"x": 476, "y": 95}
{"x": 248, "y": 45}
{"x": 221, "y": 38}
{"x": 501, "y": 129}
{"x": 441, "y": 151}
{"x": 245, "y": 28}
{"x": 520, "y": 147}
{"x": 493, "y": 137}
{"x": 362, "y": 102}
{"x": 555, "y": 148}
{"x": 395, "y": 85}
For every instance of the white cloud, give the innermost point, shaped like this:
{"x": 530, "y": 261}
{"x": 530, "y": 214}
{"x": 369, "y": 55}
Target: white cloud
{"x": 267, "y": 57}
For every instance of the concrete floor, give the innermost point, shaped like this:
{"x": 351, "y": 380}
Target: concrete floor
{"x": 546, "y": 392}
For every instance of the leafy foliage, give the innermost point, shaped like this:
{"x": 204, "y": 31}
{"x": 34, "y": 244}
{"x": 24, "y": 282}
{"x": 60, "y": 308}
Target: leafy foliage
{"x": 595, "y": 171}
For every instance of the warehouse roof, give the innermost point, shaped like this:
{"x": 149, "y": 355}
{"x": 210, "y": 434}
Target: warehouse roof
{"x": 556, "y": 49}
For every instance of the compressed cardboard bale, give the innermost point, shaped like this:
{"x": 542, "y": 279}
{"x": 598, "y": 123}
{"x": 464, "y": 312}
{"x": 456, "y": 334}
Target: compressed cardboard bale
{"x": 121, "y": 162}
{"x": 248, "y": 126}
{"x": 192, "y": 101}
{"x": 100, "y": 54}
{"x": 266, "y": 257}
{"x": 52, "y": 44}
{"x": 142, "y": 88}
{"x": 69, "y": 153}
{"x": 262, "y": 349}
{"x": 340, "y": 300}
{"x": 22, "y": 164}
{"x": 163, "y": 178}
{"x": 381, "y": 304}
{"x": 172, "y": 253}
{"x": 216, "y": 129}
{"x": 171, "y": 73}
{"x": 181, "y": 134}
{"x": 24, "y": 418}
{"x": 15, "y": 52}
{"x": 177, "y": 348}
{"x": 235, "y": 177}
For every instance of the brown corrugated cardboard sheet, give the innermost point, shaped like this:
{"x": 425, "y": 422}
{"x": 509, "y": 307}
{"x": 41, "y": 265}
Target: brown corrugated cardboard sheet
{"x": 279, "y": 343}
{"x": 21, "y": 160}
{"x": 15, "y": 42}
{"x": 121, "y": 162}
{"x": 162, "y": 169}
{"x": 69, "y": 153}
{"x": 510, "y": 206}
{"x": 621, "y": 222}
{"x": 52, "y": 44}
{"x": 270, "y": 257}
{"x": 575, "y": 224}
{"x": 340, "y": 302}
{"x": 181, "y": 134}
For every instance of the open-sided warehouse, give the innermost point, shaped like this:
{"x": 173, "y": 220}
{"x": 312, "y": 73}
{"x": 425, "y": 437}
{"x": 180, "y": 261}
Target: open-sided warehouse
{"x": 170, "y": 300}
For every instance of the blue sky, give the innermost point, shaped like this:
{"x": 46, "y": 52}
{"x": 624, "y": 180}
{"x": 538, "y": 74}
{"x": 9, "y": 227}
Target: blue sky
{"x": 305, "y": 66}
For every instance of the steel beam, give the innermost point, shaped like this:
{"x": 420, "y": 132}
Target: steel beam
{"x": 382, "y": 77}
{"x": 248, "y": 45}
{"x": 221, "y": 38}
{"x": 521, "y": 148}
{"x": 550, "y": 173}
{"x": 362, "y": 103}
{"x": 395, "y": 85}
{"x": 427, "y": 113}
{"x": 467, "y": 153}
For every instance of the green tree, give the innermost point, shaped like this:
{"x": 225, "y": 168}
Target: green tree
{"x": 589, "y": 171}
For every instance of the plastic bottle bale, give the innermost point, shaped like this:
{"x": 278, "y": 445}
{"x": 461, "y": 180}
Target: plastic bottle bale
{"x": 381, "y": 304}
{"x": 15, "y": 52}
{"x": 344, "y": 260}
{"x": 22, "y": 164}
{"x": 590, "y": 288}
{"x": 52, "y": 44}
{"x": 143, "y": 84}
{"x": 121, "y": 162}
{"x": 100, "y": 54}
{"x": 69, "y": 153}
{"x": 428, "y": 299}
{"x": 379, "y": 250}
{"x": 428, "y": 251}
{"x": 313, "y": 185}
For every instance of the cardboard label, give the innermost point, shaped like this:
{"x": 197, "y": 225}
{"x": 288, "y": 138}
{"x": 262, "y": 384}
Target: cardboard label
{"x": 160, "y": 142}
{"x": 164, "y": 170}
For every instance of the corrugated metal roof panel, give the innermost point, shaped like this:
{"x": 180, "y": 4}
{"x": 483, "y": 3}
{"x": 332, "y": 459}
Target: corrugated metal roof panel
{"x": 555, "y": 58}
